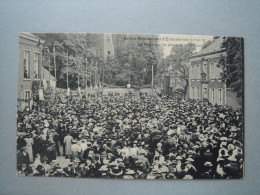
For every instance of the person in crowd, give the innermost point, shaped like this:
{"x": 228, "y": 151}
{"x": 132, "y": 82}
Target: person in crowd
{"x": 29, "y": 143}
{"x": 131, "y": 137}
{"x": 68, "y": 142}
{"x": 22, "y": 158}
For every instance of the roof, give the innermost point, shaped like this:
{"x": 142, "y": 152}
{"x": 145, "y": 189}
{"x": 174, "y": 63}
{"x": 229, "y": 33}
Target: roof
{"x": 214, "y": 47}
{"x": 31, "y": 36}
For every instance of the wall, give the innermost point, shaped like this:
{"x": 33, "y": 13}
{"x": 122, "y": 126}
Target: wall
{"x": 25, "y": 44}
{"x": 232, "y": 99}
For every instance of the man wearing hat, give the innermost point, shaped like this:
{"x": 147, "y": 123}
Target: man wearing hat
{"x": 208, "y": 172}
{"x": 22, "y": 158}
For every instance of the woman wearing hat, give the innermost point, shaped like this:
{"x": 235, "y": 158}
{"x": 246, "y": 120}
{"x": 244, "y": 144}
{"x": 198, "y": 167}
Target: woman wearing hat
{"x": 29, "y": 142}
{"x": 68, "y": 142}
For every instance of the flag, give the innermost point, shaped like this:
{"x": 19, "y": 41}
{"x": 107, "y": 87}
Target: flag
{"x": 38, "y": 43}
{"x": 44, "y": 84}
{"x": 41, "y": 97}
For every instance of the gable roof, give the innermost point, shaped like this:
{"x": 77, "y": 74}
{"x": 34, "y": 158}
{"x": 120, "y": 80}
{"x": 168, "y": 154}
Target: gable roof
{"x": 214, "y": 47}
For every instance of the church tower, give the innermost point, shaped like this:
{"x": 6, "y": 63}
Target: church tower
{"x": 108, "y": 46}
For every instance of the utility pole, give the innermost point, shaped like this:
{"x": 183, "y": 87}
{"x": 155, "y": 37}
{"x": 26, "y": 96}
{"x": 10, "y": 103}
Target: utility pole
{"x": 67, "y": 69}
{"x": 86, "y": 73}
{"x": 49, "y": 63}
{"x": 78, "y": 72}
{"x": 103, "y": 71}
{"x": 91, "y": 77}
{"x": 55, "y": 81}
{"x": 54, "y": 67}
{"x": 96, "y": 79}
{"x": 152, "y": 78}
{"x": 129, "y": 74}
{"x": 96, "y": 75}
{"x": 39, "y": 103}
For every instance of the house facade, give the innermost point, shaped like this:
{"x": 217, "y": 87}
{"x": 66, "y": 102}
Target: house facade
{"x": 29, "y": 64}
{"x": 205, "y": 74}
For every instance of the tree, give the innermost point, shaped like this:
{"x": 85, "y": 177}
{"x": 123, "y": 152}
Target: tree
{"x": 135, "y": 59}
{"x": 86, "y": 63}
{"x": 179, "y": 62}
{"x": 233, "y": 63}
{"x": 80, "y": 47}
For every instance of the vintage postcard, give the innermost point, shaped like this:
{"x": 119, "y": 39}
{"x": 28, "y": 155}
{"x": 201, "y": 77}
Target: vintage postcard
{"x": 130, "y": 106}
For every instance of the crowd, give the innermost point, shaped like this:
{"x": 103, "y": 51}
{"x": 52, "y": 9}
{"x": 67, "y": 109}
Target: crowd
{"x": 130, "y": 137}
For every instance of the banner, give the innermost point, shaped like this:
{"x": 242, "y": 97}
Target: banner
{"x": 68, "y": 91}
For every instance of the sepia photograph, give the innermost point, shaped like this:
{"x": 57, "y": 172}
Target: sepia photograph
{"x": 130, "y": 106}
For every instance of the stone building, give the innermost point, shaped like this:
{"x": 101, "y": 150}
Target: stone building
{"x": 205, "y": 74}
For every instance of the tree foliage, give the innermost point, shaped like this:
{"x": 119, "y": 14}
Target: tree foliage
{"x": 178, "y": 62}
{"x": 233, "y": 63}
{"x": 80, "y": 55}
{"x": 134, "y": 61}
{"x": 74, "y": 53}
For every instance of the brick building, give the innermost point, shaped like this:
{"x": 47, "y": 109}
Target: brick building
{"x": 29, "y": 64}
{"x": 205, "y": 74}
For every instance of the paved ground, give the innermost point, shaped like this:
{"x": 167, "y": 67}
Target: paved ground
{"x": 62, "y": 161}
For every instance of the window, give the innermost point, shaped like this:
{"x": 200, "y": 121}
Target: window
{"x": 26, "y": 63}
{"x": 193, "y": 95}
{"x": 27, "y": 94}
{"x": 108, "y": 52}
{"x": 218, "y": 72}
{"x": 220, "y": 96}
{"x": 195, "y": 92}
{"x": 198, "y": 93}
{"x": 205, "y": 93}
{"x": 205, "y": 68}
{"x": 36, "y": 66}
{"x": 192, "y": 72}
{"x": 212, "y": 71}
{"x": 198, "y": 71}
{"x": 213, "y": 96}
